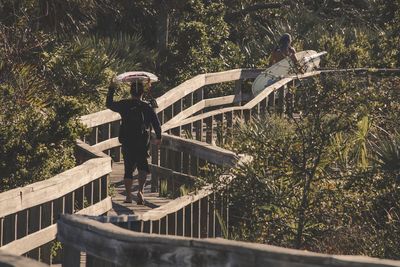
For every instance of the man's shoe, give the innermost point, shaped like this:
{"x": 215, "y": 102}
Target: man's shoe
{"x": 128, "y": 199}
{"x": 140, "y": 200}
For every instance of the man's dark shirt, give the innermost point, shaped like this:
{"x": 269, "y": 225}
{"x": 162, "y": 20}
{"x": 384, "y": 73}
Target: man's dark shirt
{"x": 123, "y": 107}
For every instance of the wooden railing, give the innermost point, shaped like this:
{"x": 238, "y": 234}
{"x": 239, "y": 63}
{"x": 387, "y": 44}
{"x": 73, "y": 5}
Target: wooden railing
{"x": 202, "y": 213}
{"x": 106, "y": 244}
{"x": 273, "y": 99}
{"x": 28, "y": 215}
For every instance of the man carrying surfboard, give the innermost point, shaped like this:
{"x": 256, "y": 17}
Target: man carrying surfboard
{"x": 283, "y": 50}
{"x": 137, "y": 119}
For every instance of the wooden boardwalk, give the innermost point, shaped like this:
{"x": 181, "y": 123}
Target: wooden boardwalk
{"x": 152, "y": 200}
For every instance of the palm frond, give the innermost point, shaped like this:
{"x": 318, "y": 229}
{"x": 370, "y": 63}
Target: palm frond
{"x": 387, "y": 152}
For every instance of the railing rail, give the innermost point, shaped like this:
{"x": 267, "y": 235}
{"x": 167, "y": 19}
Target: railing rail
{"x": 109, "y": 244}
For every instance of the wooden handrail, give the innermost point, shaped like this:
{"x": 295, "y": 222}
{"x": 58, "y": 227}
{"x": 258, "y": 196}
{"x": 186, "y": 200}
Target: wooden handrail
{"x": 191, "y": 85}
{"x": 21, "y": 198}
{"x": 212, "y": 154}
{"x": 112, "y": 244}
{"x": 251, "y": 104}
{"x": 224, "y": 100}
{"x": 201, "y": 80}
{"x": 43, "y": 236}
{"x": 176, "y": 93}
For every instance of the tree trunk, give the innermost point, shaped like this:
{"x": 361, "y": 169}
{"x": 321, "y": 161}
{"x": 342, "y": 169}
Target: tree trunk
{"x": 162, "y": 29}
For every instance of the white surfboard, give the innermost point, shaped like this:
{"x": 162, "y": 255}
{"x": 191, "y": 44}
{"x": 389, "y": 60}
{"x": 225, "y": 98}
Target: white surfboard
{"x": 308, "y": 61}
{"x": 136, "y": 75}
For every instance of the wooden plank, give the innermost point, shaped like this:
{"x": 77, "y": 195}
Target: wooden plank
{"x": 183, "y": 115}
{"x": 99, "y": 118}
{"x": 89, "y": 150}
{"x": 37, "y": 193}
{"x": 179, "y": 92}
{"x": 220, "y": 77}
{"x": 38, "y": 238}
{"x": 124, "y": 247}
{"x": 204, "y": 116}
{"x": 213, "y": 154}
{"x": 107, "y": 144}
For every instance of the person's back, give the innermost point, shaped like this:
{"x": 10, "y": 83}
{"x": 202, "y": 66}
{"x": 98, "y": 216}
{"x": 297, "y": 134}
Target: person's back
{"x": 283, "y": 50}
{"x": 136, "y": 120}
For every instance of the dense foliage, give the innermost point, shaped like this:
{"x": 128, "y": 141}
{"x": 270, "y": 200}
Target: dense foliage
{"x": 328, "y": 179}
{"x": 322, "y": 182}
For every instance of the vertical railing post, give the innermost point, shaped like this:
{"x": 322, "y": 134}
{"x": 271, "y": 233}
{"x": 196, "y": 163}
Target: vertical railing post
{"x": 1, "y": 231}
{"x": 238, "y": 91}
{"x": 281, "y": 100}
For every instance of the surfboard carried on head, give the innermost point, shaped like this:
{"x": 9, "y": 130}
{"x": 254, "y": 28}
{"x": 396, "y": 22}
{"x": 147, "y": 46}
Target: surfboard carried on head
{"x": 140, "y": 76}
{"x": 308, "y": 60}
{"x": 131, "y": 76}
